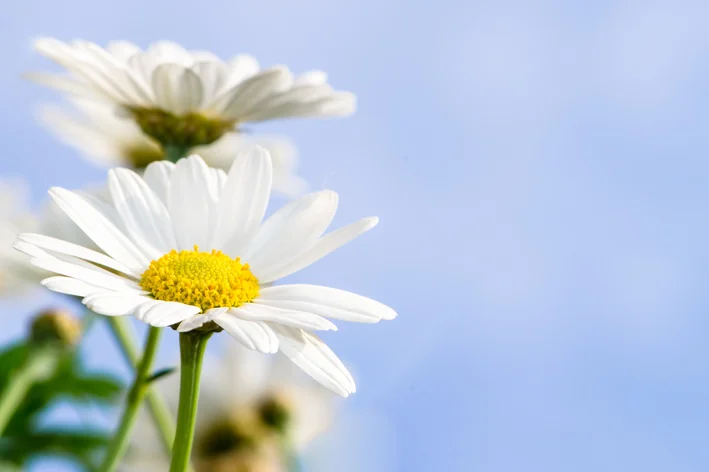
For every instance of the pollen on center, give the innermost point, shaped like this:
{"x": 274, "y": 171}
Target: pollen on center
{"x": 203, "y": 279}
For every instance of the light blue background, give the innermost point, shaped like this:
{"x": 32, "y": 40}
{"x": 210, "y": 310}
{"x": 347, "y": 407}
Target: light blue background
{"x": 540, "y": 169}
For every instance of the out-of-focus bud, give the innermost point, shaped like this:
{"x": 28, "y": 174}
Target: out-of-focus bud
{"x": 56, "y": 326}
{"x": 275, "y": 412}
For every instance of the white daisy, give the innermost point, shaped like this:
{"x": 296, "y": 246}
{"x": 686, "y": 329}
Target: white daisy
{"x": 187, "y": 98}
{"x": 109, "y": 140}
{"x": 16, "y": 275}
{"x": 255, "y": 412}
{"x": 151, "y": 266}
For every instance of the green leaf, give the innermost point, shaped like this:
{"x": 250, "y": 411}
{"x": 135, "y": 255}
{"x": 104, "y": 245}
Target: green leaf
{"x": 158, "y": 374}
{"x": 81, "y": 445}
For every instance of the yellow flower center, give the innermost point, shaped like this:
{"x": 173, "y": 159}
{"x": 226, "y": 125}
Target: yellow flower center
{"x": 203, "y": 279}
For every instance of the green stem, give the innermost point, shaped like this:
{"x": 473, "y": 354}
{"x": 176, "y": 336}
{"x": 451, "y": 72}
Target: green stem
{"x": 159, "y": 411}
{"x": 192, "y": 348}
{"x": 119, "y": 443}
{"x": 174, "y": 153}
{"x": 40, "y": 363}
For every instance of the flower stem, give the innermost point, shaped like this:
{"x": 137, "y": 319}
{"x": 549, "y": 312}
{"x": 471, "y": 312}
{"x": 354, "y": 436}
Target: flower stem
{"x": 121, "y": 330}
{"x": 174, "y": 153}
{"x": 192, "y": 348}
{"x": 40, "y": 363}
{"x": 119, "y": 443}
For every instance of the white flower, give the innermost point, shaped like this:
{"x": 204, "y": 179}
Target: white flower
{"x": 151, "y": 266}
{"x": 254, "y": 412}
{"x": 187, "y": 98}
{"x": 110, "y": 140}
{"x": 16, "y": 275}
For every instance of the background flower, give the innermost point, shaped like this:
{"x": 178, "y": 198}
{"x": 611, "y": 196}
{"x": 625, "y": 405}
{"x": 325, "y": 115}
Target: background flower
{"x": 16, "y": 275}
{"x": 255, "y": 413}
{"x": 188, "y": 98}
{"x": 109, "y": 140}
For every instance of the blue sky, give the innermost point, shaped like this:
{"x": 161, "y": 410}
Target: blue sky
{"x": 540, "y": 172}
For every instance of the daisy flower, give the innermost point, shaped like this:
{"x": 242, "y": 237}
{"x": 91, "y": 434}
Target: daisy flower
{"x": 16, "y": 275}
{"x": 185, "y": 246}
{"x": 187, "y": 98}
{"x": 109, "y": 140}
{"x": 255, "y": 413}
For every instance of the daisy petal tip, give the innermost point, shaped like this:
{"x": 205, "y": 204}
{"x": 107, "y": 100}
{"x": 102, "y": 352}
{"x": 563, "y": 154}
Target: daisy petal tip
{"x": 371, "y": 222}
{"x": 389, "y": 314}
{"x": 193, "y": 159}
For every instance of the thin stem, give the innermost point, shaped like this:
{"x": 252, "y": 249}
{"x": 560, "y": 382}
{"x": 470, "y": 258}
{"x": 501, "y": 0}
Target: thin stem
{"x": 39, "y": 364}
{"x": 174, "y": 153}
{"x": 192, "y": 348}
{"x": 119, "y": 443}
{"x": 159, "y": 411}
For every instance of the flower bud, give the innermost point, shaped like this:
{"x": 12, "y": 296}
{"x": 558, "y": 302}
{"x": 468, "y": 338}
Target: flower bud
{"x": 56, "y": 326}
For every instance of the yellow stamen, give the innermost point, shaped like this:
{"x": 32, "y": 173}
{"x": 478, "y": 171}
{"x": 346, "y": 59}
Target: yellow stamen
{"x": 203, "y": 279}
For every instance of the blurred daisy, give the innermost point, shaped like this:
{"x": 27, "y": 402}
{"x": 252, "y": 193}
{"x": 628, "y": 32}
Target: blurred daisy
{"x": 110, "y": 140}
{"x": 151, "y": 232}
{"x": 255, "y": 414}
{"x": 16, "y": 275}
{"x": 188, "y": 98}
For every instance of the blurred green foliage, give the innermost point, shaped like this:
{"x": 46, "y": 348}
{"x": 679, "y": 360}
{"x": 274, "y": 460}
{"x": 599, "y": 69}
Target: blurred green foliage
{"x": 25, "y": 438}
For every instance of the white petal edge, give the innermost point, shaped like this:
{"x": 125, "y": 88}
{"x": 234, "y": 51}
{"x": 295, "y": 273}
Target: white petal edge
{"x": 292, "y": 318}
{"x": 111, "y": 303}
{"x": 326, "y": 301}
{"x": 157, "y": 176}
{"x": 161, "y": 314}
{"x": 308, "y": 352}
{"x": 196, "y": 321}
{"x": 99, "y": 228}
{"x": 290, "y": 232}
{"x": 57, "y": 245}
{"x": 320, "y": 249}
{"x": 244, "y": 197}
{"x": 255, "y": 335}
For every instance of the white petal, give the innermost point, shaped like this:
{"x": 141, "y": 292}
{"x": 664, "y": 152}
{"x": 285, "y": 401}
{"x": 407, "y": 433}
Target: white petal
{"x": 142, "y": 66}
{"x": 290, "y": 103}
{"x": 114, "y": 303}
{"x": 113, "y": 71}
{"x": 320, "y": 249}
{"x": 63, "y": 247}
{"x": 296, "y": 319}
{"x": 340, "y": 104}
{"x": 291, "y": 231}
{"x": 95, "y": 276}
{"x": 177, "y": 89}
{"x": 142, "y": 211}
{"x": 244, "y": 198}
{"x": 200, "y": 319}
{"x": 241, "y": 67}
{"x": 157, "y": 175}
{"x": 255, "y": 335}
{"x": 312, "y": 77}
{"x": 169, "y": 51}
{"x": 66, "y": 84}
{"x": 69, "y": 286}
{"x": 122, "y": 50}
{"x": 213, "y": 75}
{"x": 309, "y": 353}
{"x": 253, "y": 90}
{"x": 326, "y": 301}
{"x": 192, "y": 203}
{"x": 161, "y": 314}
{"x": 100, "y": 229}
